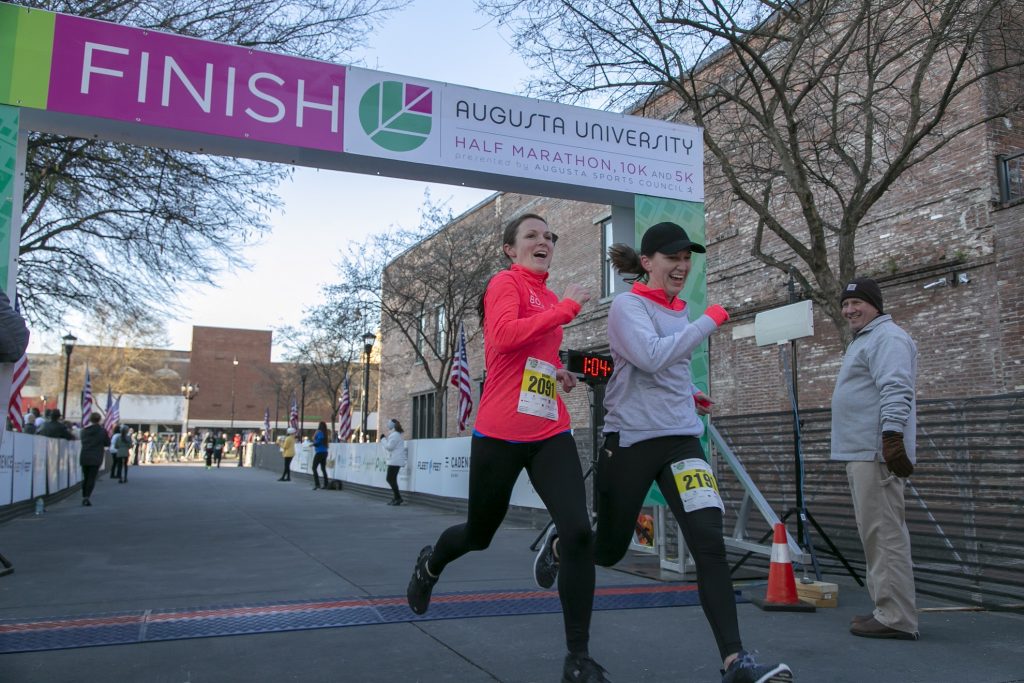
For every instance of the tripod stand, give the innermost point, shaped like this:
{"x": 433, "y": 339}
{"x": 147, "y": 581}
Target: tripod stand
{"x": 596, "y": 396}
{"x": 803, "y": 515}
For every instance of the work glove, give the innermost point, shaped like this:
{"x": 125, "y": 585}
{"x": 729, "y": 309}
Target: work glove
{"x": 895, "y": 454}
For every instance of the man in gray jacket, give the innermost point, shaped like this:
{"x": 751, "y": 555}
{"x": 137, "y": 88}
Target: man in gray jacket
{"x": 874, "y": 421}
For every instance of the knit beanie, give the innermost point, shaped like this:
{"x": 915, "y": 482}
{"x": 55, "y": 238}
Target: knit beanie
{"x": 865, "y": 289}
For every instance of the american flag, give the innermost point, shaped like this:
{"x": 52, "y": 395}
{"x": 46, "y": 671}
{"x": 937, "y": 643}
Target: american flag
{"x": 86, "y": 398}
{"x": 344, "y": 414}
{"x": 113, "y": 416}
{"x": 460, "y": 379}
{"x": 293, "y": 416}
{"x": 18, "y": 379}
{"x": 107, "y": 424}
{"x": 266, "y": 424}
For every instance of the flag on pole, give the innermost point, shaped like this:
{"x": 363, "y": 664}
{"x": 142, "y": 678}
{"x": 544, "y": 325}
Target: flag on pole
{"x": 460, "y": 379}
{"x": 113, "y": 413}
{"x": 293, "y": 415}
{"x": 18, "y": 379}
{"x": 266, "y": 425}
{"x": 113, "y": 417}
{"x": 86, "y": 398}
{"x": 110, "y": 404}
{"x": 344, "y": 414}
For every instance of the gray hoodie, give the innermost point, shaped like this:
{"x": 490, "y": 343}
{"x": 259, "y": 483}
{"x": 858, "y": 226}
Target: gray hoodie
{"x": 875, "y": 392}
{"x": 650, "y": 393}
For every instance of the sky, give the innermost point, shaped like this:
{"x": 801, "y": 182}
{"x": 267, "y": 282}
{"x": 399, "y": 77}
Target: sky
{"x": 325, "y": 210}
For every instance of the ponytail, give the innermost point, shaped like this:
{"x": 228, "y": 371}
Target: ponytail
{"x": 626, "y": 262}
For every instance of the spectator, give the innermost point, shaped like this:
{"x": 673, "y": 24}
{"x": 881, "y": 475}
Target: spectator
{"x": 874, "y": 421}
{"x": 122, "y": 444}
{"x": 55, "y": 428}
{"x": 31, "y": 420}
{"x": 394, "y": 444}
{"x": 320, "y": 441}
{"x": 94, "y": 442}
{"x": 288, "y": 452}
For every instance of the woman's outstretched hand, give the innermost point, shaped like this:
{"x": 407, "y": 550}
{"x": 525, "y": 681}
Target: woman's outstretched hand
{"x": 578, "y": 293}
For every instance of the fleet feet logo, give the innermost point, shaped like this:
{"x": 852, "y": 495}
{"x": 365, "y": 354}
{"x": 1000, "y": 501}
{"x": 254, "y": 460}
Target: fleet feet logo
{"x": 397, "y": 116}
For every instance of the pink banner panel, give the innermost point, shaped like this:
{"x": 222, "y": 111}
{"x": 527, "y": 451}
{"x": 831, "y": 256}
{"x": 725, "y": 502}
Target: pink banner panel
{"x": 157, "y": 79}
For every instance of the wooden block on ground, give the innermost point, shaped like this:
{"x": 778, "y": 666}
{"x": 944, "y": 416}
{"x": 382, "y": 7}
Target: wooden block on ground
{"x": 821, "y": 602}
{"x": 817, "y": 589}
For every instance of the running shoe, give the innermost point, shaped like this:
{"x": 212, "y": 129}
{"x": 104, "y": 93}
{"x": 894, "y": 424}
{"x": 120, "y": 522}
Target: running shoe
{"x": 545, "y": 565}
{"x": 745, "y": 669}
{"x": 421, "y": 583}
{"x": 582, "y": 669}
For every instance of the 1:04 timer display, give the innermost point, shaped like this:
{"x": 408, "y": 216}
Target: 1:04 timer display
{"x": 589, "y": 365}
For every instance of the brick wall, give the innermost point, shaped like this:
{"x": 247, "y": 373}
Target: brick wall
{"x": 213, "y": 350}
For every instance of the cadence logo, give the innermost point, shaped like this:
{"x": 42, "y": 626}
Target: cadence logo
{"x": 397, "y": 116}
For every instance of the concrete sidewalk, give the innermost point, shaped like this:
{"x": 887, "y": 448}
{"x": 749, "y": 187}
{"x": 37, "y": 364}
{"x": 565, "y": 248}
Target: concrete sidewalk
{"x": 179, "y": 536}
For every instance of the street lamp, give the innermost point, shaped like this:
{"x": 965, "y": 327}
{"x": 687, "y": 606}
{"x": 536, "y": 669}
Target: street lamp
{"x": 303, "y": 374}
{"x": 234, "y": 364}
{"x": 368, "y": 339}
{"x": 188, "y": 391}
{"x": 69, "y": 344}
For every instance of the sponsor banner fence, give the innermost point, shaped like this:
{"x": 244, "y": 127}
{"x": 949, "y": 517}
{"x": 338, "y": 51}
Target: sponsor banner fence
{"x": 6, "y": 469}
{"x": 33, "y": 466}
{"x": 438, "y": 467}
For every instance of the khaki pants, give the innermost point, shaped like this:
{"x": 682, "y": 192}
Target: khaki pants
{"x": 881, "y": 522}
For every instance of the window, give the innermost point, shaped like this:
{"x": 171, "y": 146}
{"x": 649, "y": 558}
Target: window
{"x": 1011, "y": 177}
{"x": 607, "y": 240}
{"x": 439, "y": 329}
{"x": 423, "y": 416}
{"x": 618, "y": 227}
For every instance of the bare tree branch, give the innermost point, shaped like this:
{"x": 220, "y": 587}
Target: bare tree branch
{"x": 124, "y": 227}
{"x": 812, "y": 110}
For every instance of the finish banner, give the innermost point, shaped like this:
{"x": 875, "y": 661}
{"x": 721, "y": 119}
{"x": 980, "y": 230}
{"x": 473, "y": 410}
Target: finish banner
{"x": 89, "y": 69}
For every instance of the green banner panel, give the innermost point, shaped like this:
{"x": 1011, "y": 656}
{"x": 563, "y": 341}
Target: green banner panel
{"x": 9, "y": 119}
{"x": 690, "y": 215}
{"x": 26, "y": 48}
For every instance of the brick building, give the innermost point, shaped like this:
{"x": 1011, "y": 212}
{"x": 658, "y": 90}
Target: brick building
{"x": 946, "y": 244}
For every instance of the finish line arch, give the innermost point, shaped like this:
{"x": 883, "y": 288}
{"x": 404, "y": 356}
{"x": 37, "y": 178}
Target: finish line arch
{"x": 87, "y": 78}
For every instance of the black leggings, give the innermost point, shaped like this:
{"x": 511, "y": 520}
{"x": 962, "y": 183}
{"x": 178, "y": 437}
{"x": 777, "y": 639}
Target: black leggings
{"x": 320, "y": 460}
{"x": 119, "y": 470}
{"x": 624, "y": 476}
{"x": 393, "y": 480}
{"x": 553, "y": 466}
{"x": 287, "y": 474}
{"x": 89, "y": 479}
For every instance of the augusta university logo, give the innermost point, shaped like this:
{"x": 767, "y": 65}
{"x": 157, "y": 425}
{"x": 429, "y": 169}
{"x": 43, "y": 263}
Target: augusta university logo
{"x": 397, "y": 116}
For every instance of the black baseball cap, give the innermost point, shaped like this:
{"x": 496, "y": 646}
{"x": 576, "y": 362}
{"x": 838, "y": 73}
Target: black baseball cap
{"x": 667, "y": 238}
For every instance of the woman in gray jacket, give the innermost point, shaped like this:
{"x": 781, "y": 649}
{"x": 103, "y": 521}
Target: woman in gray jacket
{"x": 652, "y": 432}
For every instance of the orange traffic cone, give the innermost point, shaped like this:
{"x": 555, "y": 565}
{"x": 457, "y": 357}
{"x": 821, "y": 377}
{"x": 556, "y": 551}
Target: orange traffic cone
{"x": 781, "y": 594}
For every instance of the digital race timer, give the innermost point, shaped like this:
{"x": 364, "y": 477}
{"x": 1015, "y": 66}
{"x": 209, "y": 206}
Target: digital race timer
{"x": 590, "y": 366}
